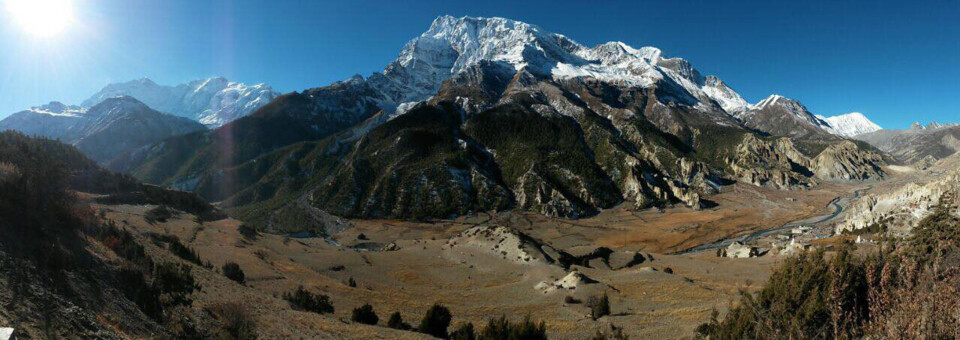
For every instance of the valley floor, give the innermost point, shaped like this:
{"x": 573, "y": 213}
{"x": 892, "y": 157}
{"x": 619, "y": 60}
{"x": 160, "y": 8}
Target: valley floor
{"x": 420, "y": 268}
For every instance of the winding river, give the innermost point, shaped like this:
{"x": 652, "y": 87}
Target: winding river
{"x": 839, "y": 204}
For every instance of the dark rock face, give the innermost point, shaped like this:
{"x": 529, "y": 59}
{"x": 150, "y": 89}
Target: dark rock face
{"x": 419, "y": 165}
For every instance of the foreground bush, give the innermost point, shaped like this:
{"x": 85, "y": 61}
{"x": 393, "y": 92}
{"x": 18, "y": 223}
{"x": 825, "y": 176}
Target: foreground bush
{"x": 599, "y": 306}
{"x": 159, "y": 214}
{"x": 464, "y": 332}
{"x": 232, "y": 271}
{"x": 235, "y": 320}
{"x": 396, "y": 322}
{"x": 436, "y": 321}
{"x": 302, "y": 299}
{"x": 365, "y": 315}
{"x": 248, "y": 231}
{"x": 175, "y": 282}
{"x": 907, "y": 290}
{"x": 615, "y": 335}
{"x": 184, "y": 252}
{"x": 501, "y": 328}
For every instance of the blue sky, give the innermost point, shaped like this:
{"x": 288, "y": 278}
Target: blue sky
{"x": 897, "y": 62}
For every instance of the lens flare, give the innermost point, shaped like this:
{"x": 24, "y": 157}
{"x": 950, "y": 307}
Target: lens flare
{"x": 43, "y": 18}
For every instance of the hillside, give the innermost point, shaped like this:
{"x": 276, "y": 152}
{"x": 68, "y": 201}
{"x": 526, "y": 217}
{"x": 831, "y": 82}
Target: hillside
{"x": 70, "y": 270}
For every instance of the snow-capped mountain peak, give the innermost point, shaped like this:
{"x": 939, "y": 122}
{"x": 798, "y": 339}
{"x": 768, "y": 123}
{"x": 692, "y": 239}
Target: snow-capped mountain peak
{"x": 790, "y": 106}
{"x": 56, "y": 108}
{"x": 211, "y": 101}
{"x": 851, "y": 124}
{"x": 782, "y": 116}
{"x": 938, "y": 125}
{"x": 729, "y": 100}
{"x": 773, "y": 99}
{"x": 931, "y": 126}
{"x": 452, "y": 45}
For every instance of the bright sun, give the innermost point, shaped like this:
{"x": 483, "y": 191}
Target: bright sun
{"x": 41, "y": 17}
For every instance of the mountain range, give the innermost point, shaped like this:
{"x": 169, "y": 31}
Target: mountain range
{"x": 212, "y": 101}
{"x": 104, "y": 131}
{"x": 918, "y": 143}
{"x": 509, "y": 116}
{"x": 483, "y": 114}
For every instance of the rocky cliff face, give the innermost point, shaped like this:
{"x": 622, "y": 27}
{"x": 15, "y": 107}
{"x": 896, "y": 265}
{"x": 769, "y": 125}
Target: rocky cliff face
{"x": 903, "y": 207}
{"x": 846, "y": 161}
{"x": 778, "y": 163}
{"x": 775, "y": 163}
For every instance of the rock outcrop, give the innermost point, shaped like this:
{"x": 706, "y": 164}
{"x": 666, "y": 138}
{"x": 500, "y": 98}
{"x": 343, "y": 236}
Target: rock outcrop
{"x": 572, "y": 281}
{"x": 773, "y": 163}
{"x": 738, "y": 250}
{"x": 504, "y": 242}
{"x": 903, "y": 207}
{"x": 778, "y": 163}
{"x": 846, "y": 161}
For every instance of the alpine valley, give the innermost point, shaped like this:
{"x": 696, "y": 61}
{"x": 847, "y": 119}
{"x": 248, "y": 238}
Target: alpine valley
{"x": 489, "y": 114}
{"x": 492, "y": 170}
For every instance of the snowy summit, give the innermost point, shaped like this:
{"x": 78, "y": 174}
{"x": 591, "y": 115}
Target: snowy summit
{"x": 212, "y": 101}
{"x": 851, "y": 124}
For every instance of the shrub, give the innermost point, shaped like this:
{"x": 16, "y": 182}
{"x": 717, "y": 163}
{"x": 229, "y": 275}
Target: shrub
{"x": 501, "y": 328}
{"x": 232, "y": 271}
{"x": 396, "y": 322}
{"x": 184, "y": 252}
{"x": 527, "y": 329}
{"x": 235, "y": 320}
{"x": 135, "y": 288}
{"x": 175, "y": 282}
{"x": 122, "y": 243}
{"x": 160, "y": 214}
{"x": 351, "y": 282}
{"x": 614, "y": 335}
{"x": 464, "y": 332}
{"x": 365, "y": 315}
{"x": 599, "y": 306}
{"x": 302, "y": 299}
{"x": 668, "y": 270}
{"x": 436, "y": 321}
{"x": 248, "y": 231}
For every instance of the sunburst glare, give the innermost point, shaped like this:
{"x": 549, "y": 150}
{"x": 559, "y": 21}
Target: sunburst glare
{"x": 44, "y": 18}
